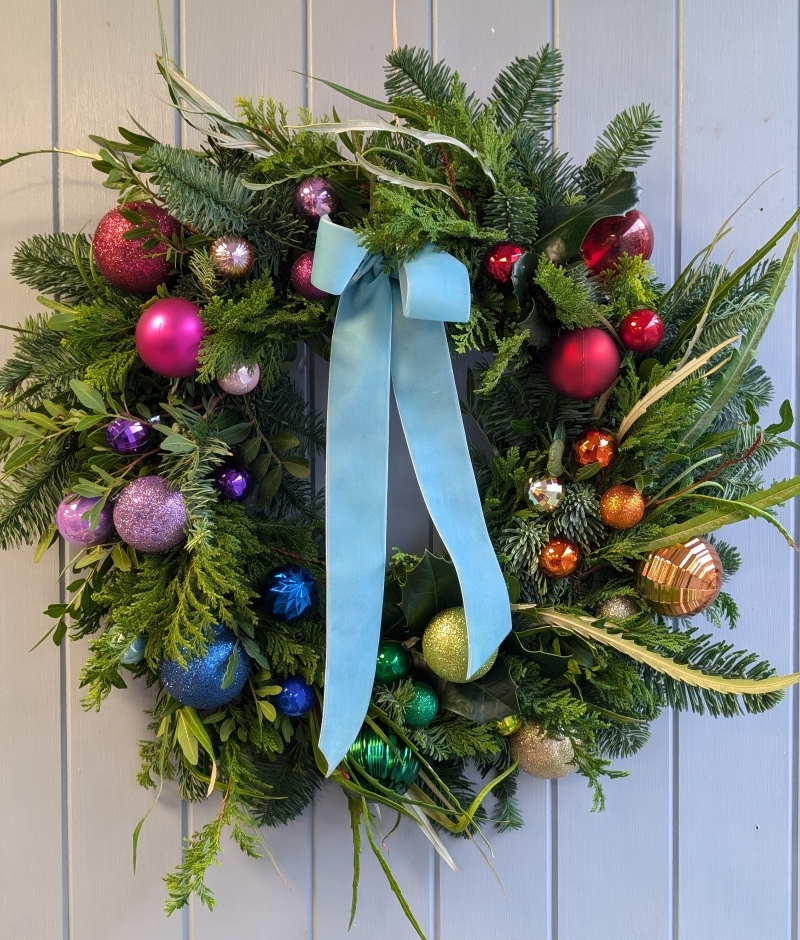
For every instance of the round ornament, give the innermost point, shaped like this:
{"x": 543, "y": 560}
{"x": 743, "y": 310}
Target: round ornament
{"x": 290, "y": 593}
{"x": 232, "y": 482}
{"x": 508, "y": 725}
{"x": 232, "y": 256}
{"x": 394, "y": 661}
{"x": 542, "y": 756}
{"x": 393, "y": 765}
{"x": 301, "y": 278}
{"x": 617, "y": 608}
{"x": 500, "y": 260}
{"x": 126, "y": 263}
{"x": 545, "y": 494}
{"x": 445, "y": 647}
{"x": 199, "y": 684}
{"x": 559, "y": 558}
{"x": 240, "y": 381}
{"x": 128, "y": 435}
{"x": 149, "y": 516}
{"x": 78, "y": 531}
{"x": 594, "y": 447}
{"x": 315, "y": 197}
{"x": 582, "y": 363}
{"x": 681, "y": 580}
{"x": 641, "y": 331}
{"x": 621, "y": 507}
{"x": 168, "y": 337}
{"x": 423, "y": 708}
{"x": 614, "y": 236}
{"x": 295, "y": 698}
{"x": 134, "y": 654}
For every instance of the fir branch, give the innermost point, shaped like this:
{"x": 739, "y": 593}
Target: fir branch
{"x": 411, "y": 71}
{"x": 528, "y": 90}
{"x": 624, "y": 145}
{"x": 47, "y": 263}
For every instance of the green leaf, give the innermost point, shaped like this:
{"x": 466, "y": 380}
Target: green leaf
{"x": 490, "y": 698}
{"x": 230, "y": 669}
{"x": 267, "y": 710}
{"x": 298, "y": 467}
{"x": 197, "y": 728}
{"x": 49, "y": 536}
{"x": 249, "y": 449}
{"x": 528, "y": 89}
{"x": 185, "y": 737}
{"x": 270, "y": 485}
{"x": 86, "y": 488}
{"x": 355, "y": 828}
{"x": 227, "y": 728}
{"x": 236, "y": 434}
{"x": 21, "y": 455}
{"x": 513, "y": 585}
{"x": 88, "y": 421}
{"x": 20, "y": 429}
{"x": 431, "y": 585}
{"x": 787, "y": 420}
{"x": 121, "y": 558}
{"x": 175, "y": 444}
{"x": 61, "y": 322}
{"x": 283, "y": 441}
{"x": 89, "y": 397}
{"x": 361, "y": 99}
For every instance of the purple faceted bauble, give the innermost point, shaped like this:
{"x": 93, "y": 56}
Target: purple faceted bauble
{"x": 77, "y": 530}
{"x": 301, "y": 278}
{"x": 149, "y": 515}
{"x": 315, "y": 197}
{"x": 128, "y": 435}
{"x": 232, "y": 482}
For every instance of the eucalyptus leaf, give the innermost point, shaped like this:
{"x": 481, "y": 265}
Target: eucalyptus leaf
{"x": 89, "y": 397}
{"x": 298, "y": 467}
{"x": 431, "y": 585}
{"x": 284, "y": 440}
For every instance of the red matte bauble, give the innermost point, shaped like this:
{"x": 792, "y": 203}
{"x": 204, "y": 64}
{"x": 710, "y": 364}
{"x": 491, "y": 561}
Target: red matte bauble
{"x": 614, "y": 236}
{"x": 126, "y": 263}
{"x": 168, "y": 337}
{"x": 582, "y": 364}
{"x": 641, "y": 331}
{"x": 500, "y": 260}
{"x": 301, "y": 278}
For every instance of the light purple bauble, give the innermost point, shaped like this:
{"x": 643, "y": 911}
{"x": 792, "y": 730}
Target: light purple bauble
{"x": 77, "y": 530}
{"x": 301, "y": 278}
{"x": 168, "y": 337}
{"x": 241, "y": 380}
{"x": 149, "y": 515}
{"x": 315, "y": 197}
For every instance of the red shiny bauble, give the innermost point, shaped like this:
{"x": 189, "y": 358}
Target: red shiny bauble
{"x": 126, "y": 263}
{"x": 616, "y": 235}
{"x": 582, "y": 364}
{"x": 168, "y": 337}
{"x": 641, "y": 331}
{"x": 500, "y": 260}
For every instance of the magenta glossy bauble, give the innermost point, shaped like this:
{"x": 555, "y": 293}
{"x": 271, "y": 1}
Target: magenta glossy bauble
{"x": 168, "y": 337}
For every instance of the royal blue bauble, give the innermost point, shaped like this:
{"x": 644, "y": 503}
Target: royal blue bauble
{"x": 200, "y": 683}
{"x": 295, "y": 698}
{"x": 290, "y": 593}
{"x": 232, "y": 482}
{"x": 128, "y": 435}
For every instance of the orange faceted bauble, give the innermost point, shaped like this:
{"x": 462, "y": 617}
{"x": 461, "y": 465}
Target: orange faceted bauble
{"x": 595, "y": 447}
{"x": 681, "y": 580}
{"x": 621, "y": 507}
{"x": 559, "y": 558}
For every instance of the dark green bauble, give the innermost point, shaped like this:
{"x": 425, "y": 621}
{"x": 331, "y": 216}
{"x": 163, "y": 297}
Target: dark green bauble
{"x": 394, "y": 662}
{"x": 423, "y": 708}
{"x": 392, "y": 765}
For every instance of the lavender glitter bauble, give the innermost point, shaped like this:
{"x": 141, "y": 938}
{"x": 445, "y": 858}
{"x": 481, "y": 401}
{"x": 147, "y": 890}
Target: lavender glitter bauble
{"x": 149, "y": 515}
{"x": 128, "y": 435}
{"x": 301, "y": 278}
{"x": 290, "y": 593}
{"x": 125, "y": 262}
{"x": 232, "y": 256}
{"x": 232, "y": 482}
{"x": 168, "y": 337}
{"x": 240, "y": 381}
{"x": 315, "y": 197}
{"x": 295, "y": 698}
{"x": 77, "y": 530}
{"x": 199, "y": 685}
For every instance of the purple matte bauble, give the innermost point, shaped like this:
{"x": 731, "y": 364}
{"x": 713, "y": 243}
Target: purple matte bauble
{"x": 149, "y": 515}
{"x": 168, "y": 337}
{"x": 232, "y": 482}
{"x": 77, "y": 530}
{"x": 128, "y": 435}
{"x": 241, "y": 380}
{"x": 125, "y": 262}
{"x": 315, "y": 197}
{"x": 301, "y": 278}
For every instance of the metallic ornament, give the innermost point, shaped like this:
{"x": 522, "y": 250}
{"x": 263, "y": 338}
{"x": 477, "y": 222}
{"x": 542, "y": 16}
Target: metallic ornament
{"x": 150, "y": 516}
{"x": 232, "y": 256}
{"x": 295, "y": 698}
{"x": 641, "y": 331}
{"x": 423, "y": 708}
{"x": 199, "y": 684}
{"x": 315, "y": 197}
{"x": 134, "y": 654}
{"x": 594, "y": 447}
{"x": 290, "y": 593}
{"x": 540, "y": 755}
{"x": 301, "y": 278}
{"x": 393, "y": 765}
{"x": 681, "y": 580}
{"x": 617, "y": 608}
{"x": 128, "y": 435}
{"x": 445, "y": 647}
{"x": 168, "y": 337}
{"x": 621, "y": 507}
{"x": 507, "y": 726}
{"x": 240, "y": 381}
{"x": 615, "y": 235}
{"x": 75, "y": 529}
{"x": 545, "y": 494}
{"x": 559, "y": 558}
{"x": 394, "y": 661}
{"x": 500, "y": 260}
{"x": 582, "y": 363}
{"x": 232, "y": 482}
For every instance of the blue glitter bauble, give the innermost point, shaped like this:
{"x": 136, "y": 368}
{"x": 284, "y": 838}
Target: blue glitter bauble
{"x": 200, "y": 684}
{"x": 295, "y": 697}
{"x": 290, "y": 593}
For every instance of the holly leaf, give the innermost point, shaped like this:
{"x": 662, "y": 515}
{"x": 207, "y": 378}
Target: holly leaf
{"x": 431, "y": 585}
{"x": 490, "y": 698}
{"x": 392, "y": 615}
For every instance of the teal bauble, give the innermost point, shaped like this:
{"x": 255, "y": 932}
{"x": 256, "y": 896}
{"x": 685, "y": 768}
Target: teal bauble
{"x": 393, "y": 765}
{"x": 423, "y": 708}
{"x": 394, "y": 662}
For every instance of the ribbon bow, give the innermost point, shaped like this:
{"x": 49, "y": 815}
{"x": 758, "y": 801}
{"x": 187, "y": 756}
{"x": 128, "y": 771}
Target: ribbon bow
{"x": 390, "y": 328}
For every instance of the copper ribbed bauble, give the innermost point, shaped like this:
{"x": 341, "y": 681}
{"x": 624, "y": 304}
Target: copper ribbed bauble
{"x": 681, "y": 580}
{"x": 621, "y": 507}
{"x": 540, "y": 755}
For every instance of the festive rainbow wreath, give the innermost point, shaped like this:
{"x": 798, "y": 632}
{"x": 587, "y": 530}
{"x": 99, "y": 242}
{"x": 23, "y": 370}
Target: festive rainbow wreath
{"x": 151, "y": 410}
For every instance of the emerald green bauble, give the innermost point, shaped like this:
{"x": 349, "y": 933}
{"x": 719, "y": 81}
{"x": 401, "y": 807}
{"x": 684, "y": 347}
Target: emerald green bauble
{"x": 422, "y": 709}
{"x": 394, "y": 662}
{"x": 393, "y": 765}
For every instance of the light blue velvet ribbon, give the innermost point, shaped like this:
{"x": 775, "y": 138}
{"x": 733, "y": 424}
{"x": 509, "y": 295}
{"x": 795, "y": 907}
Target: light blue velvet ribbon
{"x": 389, "y": 329}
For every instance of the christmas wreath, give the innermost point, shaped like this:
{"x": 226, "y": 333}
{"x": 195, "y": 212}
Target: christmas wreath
{"x": 614, "y": 426}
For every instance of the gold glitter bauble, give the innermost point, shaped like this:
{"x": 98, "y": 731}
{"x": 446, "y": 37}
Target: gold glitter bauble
{"x": 617, "y": 608}
{"x": 595, "y": 447}
{"x": 508, "y": 725}
{"x": 444, "y": 646}
{"x": 545, "y": 494}
{"x": 559, "y": 558}
{"x": 540, "y": 755}
{"x": 621, "y": 507}
{"x": 681, "y": 580}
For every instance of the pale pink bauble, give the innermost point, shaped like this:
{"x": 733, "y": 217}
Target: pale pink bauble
{"x": 241, "y": 380}
{"x": 168, "y": 337}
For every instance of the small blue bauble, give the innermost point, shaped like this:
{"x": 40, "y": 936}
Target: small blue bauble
{"x": 200, "y": 684}
{"x": 134, "y": 654}
{"x": 290, "y": 593}
{"x": 295, "y": 698}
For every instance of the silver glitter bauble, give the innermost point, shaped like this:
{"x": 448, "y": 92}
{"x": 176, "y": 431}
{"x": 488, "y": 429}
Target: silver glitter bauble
{"x": 232, "y": 256}
{"x": 240, "y": 381}
{"x": 617, "y": 608}
{"x": 545, "y": 494}
{"x": 150, "y": 516}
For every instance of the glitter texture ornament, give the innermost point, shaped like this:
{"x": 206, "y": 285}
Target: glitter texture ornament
{"x": 290, "y": 593}
{"x": 315, "y": 197}
{"x": 168, "y": 337}
{"x": 621, "y": 507}
{"x": 559, "y": 558}
{"x": 617, "y": 608}
{"x": 240, "y": 381}
{"x": 134, "y": 654}
{"x": 614, "y": 236}
{"x": 445, "y": 647}
{"x": 594, "y": 447}
{"x": 232, "y": 256}
{"x": 641, "y": 331}
{"x": 232, "y": 482}
{"x": 78, "y": 531}
{"x": 500, "y": 260}
{"x": 393, "y": 765}
{"x": 301, "y": 278}
{"x": 128, "y": 435}
{"x": 199, "y": 685}
{"x": 149, "y": 516}
{"x": 540, "y": 755}
{"x": 394, "y": 661}
{"x": 295, "y": 698}
{"x": 582, "y": 364}
{"x": 545, "y": 494}
{"x": 126, "y": 263}
{"x": 507, "y": 726}
{"x": 422, "y": 708}
{"x": 681, "y": 580}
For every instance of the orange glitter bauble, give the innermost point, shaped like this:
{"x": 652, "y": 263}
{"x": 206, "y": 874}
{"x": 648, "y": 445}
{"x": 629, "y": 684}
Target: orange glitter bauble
{"x": 621, "y": 507}
{"x": 595, "y": 447}
{"x": 559, "y": 558}
{"x": 681, "y": 580}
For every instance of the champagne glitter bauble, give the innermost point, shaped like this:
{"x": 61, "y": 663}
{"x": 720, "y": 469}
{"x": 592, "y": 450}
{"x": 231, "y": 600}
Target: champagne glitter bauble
{"x": 168, "y": 337}
{"x": 315, "y": 197}
{"x": 240, "y": 381}
{"x": 507, "y": 726}
{"x": 617, "y": 608}
{"x": 150, "y": 516}
{"x": 394, "y": 661}
{"x": 681, "y": 580}
{"x": 126, "y": 263}
{"x": 393, "y": 765}
{"x": 545, "y": 494}
{"x": 582, "y": 364}
{"x": 200, "y": 683}
{"x": 594, "y": 447}
{"x": 641, "y": 331}
{"x": 423, "y": 708}
{"x": 500, "y": 260}
{"x": 621, "y": 507}
{"x": 232, "y": 256}
{"x": 444, "y": 646}
{"x": 614, "y": 236}
{"x": 559, "y": 558}
{"x": 301, "y": 278}
{"x": 540, "y": 755}
{"x": 78, "y": 530}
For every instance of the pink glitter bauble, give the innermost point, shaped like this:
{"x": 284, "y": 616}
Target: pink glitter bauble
{"x": 315, "y": 197}
{"x": 149, "y": 516}
{"x": 168, "y": 337}
{"x": 240, "y": 381}
{"x": 301, "y": 278}
{"x": 125, "y": 263}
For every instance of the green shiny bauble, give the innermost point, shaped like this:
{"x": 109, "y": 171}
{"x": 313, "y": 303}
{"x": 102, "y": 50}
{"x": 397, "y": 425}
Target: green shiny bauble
{"x": 423, "y": 707}
{"x": 394, "y": 661}
{"x": 392, "y": 765}
{"x": 444, "y": 645}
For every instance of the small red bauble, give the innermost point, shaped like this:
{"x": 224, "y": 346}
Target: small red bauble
{"x": 301, "y": 278}
{"x": 168, "y": 337}
{"x": 125, "y": 263}
{"x": 641, "y": 331}
{"x": 582, "y": 364}
{"x": 500, "y": 260}
{"x": 616, "y": 235}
